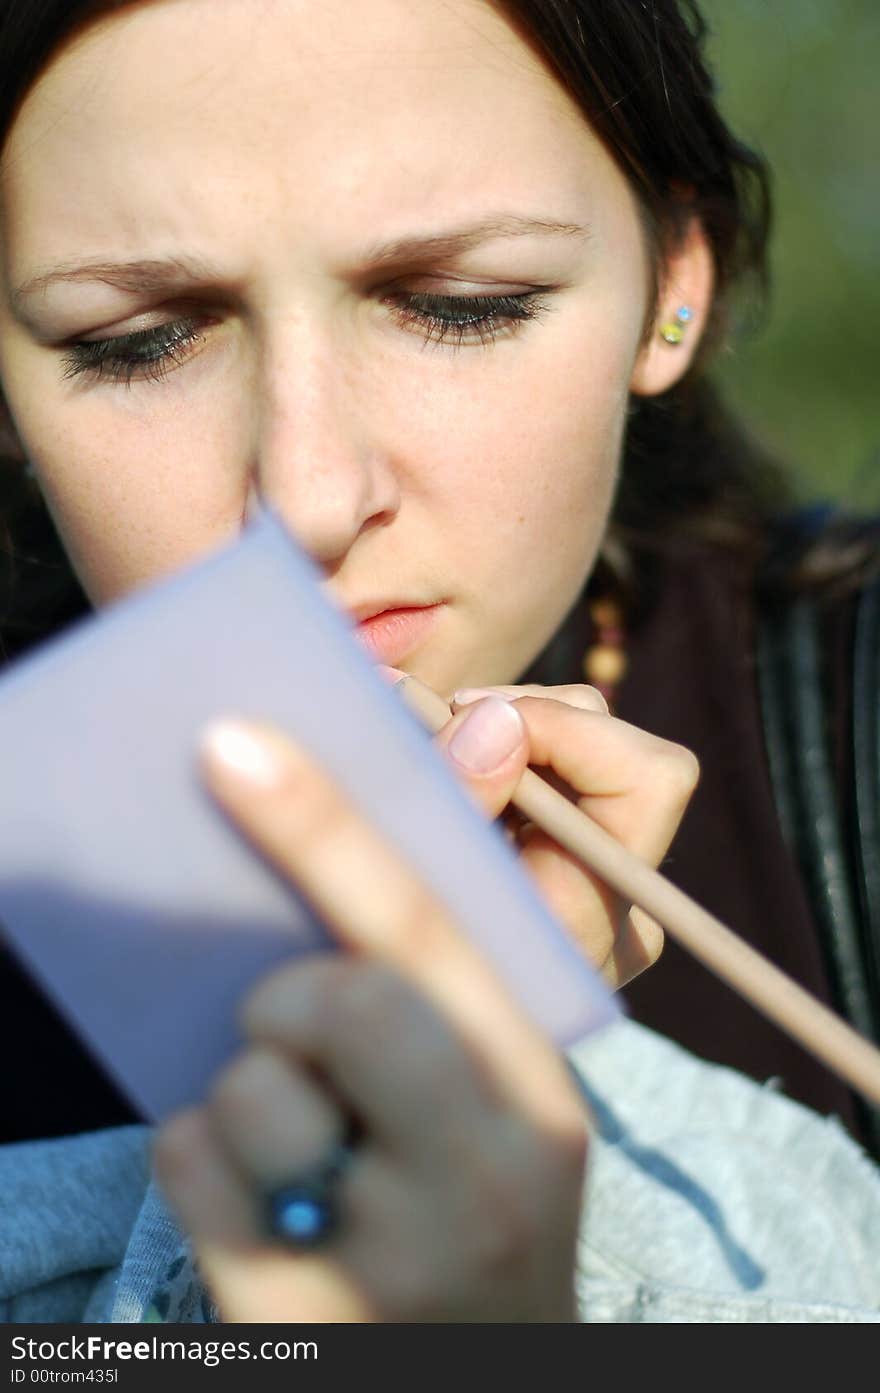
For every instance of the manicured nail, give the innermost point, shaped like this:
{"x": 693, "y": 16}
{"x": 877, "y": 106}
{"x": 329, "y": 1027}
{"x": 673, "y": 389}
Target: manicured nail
{"x": 488, "y": 735}
{"x": 240, "y": 751}
{"x": 465, "y": 695}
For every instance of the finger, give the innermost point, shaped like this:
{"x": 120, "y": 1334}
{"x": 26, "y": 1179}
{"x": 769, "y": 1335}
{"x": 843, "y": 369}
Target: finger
{"x": 591, "y": 912}
{"x": 638, "y": 945}
{"x": 366, "y": 894}
{"x": 620, "y": 940}
{"x": 245, "y": 1271}
{"x": 636, "y": 785}
{"x": 271, "y": 1119}
{"x": 201, "y": 1184}
{"x": 347, "y": 1017}
{"x": 622, "y": 944}
{"x": 487, "y": 745}
{"x": 574, "y": 694}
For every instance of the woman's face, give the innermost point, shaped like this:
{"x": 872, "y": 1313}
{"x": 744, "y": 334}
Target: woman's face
{"x": 402, "y": 285}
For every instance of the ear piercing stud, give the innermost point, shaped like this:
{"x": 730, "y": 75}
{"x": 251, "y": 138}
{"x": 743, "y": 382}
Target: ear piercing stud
{"x": 673, "y": 331}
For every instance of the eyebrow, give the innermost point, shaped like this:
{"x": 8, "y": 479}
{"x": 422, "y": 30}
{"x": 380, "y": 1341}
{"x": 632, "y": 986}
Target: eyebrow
{"x": 153, "y": 275}
{"x": 443, "y": 246}
{"x": 148, "y": 275}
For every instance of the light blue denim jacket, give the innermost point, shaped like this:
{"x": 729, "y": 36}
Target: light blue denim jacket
{"x": 708, "y": 1199}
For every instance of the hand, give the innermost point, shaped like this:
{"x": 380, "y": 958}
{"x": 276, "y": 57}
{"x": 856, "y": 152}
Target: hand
{"x": 633, "y": 784}
{"x": 463, "y": 1199}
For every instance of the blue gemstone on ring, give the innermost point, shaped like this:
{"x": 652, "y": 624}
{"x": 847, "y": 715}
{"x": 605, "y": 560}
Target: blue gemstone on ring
{"x": 305, "y": 1211}
{"x": 302, "y": 1215}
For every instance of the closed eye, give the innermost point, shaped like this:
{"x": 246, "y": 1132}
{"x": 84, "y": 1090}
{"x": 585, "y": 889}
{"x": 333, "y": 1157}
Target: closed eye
{"x": 150, "y": 354}
{"x": 465, "y": 318}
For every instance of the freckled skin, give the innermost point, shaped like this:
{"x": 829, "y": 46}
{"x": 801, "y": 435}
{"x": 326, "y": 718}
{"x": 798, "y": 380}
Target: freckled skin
{"x": 280, "y": 142}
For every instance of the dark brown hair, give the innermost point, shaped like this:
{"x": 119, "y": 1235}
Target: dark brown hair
{"x": 689, "y": 472}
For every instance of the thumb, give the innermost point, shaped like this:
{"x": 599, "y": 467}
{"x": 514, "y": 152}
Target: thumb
{"x": 487, "y": 745}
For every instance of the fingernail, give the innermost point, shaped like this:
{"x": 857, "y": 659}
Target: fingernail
{"x": 465, "y": 695}
{"x": 488, "y": 735}
{"x": 240, "y": 751}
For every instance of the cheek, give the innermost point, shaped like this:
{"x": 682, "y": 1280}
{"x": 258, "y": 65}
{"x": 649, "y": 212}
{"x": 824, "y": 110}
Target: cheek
{"x": 534, "y": 454}
{"x": 136, "y": 494}
{"x": 530, "y": 468}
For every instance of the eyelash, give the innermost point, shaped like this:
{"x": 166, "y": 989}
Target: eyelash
{"x": 148, "y": 355}
{"x": 119, "y": 359}
{"x": 483, "y": 315}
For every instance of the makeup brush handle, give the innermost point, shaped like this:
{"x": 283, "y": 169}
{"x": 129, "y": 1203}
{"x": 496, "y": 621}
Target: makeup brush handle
{"x": 748, "y": 972}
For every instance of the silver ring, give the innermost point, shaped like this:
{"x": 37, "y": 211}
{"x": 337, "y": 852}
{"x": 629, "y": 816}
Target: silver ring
{"x": 304, "y": 1212}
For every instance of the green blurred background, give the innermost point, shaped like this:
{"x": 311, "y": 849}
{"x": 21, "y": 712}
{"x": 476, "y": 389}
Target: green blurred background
{"x": 800, "y": 80}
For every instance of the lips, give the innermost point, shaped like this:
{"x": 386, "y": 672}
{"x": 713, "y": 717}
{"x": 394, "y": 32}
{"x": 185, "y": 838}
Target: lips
{"x": 390, "y": 634}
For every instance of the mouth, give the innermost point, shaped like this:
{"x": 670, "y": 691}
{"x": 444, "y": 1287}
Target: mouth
{"x": 389, "y": 635}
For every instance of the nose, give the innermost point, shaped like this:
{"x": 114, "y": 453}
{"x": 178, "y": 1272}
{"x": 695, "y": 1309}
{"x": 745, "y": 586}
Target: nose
{"x": 320, "y": 461}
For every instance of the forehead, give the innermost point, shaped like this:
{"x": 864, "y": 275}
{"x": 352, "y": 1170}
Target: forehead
{"x": 172, "y": 118}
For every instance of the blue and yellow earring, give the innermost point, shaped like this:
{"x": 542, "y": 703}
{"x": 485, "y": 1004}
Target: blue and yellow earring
{"x": 673, "y": 331}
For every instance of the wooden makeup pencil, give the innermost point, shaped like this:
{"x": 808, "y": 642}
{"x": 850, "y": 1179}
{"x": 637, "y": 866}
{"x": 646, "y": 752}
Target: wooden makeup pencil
{"x": 815, "y": 1027}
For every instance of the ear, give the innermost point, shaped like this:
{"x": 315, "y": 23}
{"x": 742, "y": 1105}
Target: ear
{"x": 687, "y": 280}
